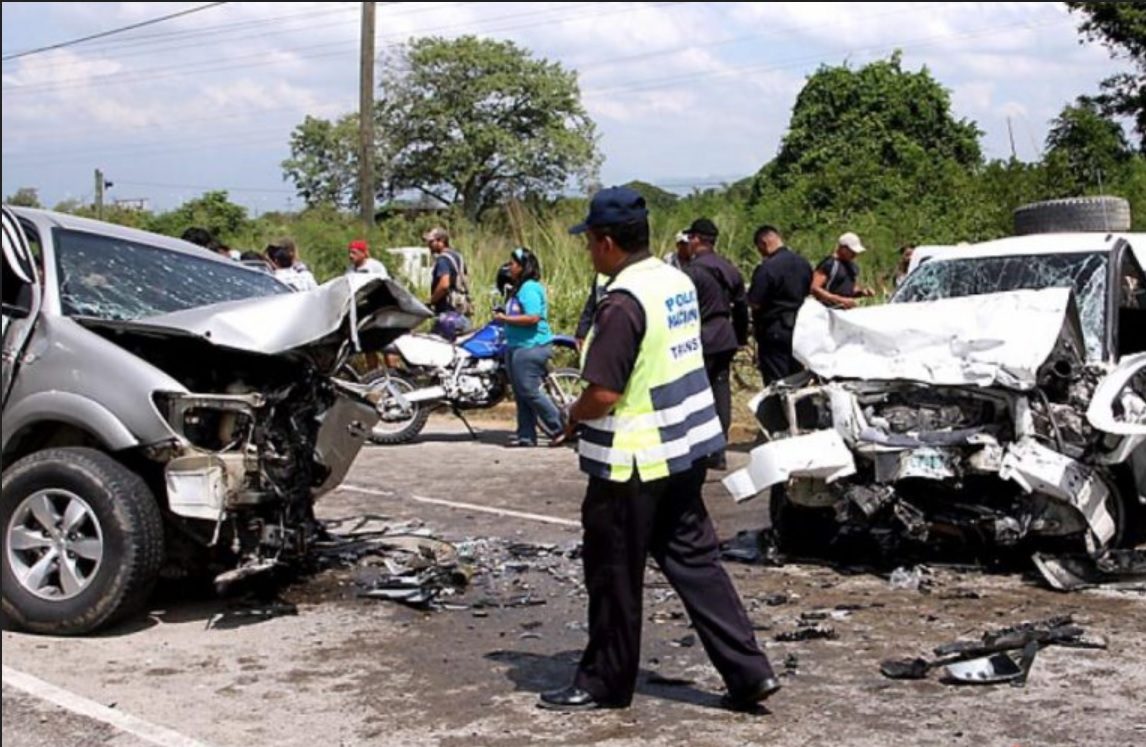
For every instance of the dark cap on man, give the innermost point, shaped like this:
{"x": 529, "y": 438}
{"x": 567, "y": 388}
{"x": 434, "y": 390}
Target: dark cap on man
{"x": 613, "y": 206}
{"x": 703, "y": 227}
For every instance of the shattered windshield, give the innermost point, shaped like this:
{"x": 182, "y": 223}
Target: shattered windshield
{"x": 1085, "y": 272}
{"x": 117, "y": 279}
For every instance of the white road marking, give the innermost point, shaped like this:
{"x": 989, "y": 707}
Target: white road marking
{"x": 70, "y": 701}
{"x": 467, "y": 506}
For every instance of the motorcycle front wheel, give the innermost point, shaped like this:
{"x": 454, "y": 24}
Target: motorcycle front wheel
{"x": 396, "y": 426}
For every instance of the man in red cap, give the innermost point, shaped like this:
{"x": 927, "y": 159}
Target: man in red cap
{"x": 361, "y": 261}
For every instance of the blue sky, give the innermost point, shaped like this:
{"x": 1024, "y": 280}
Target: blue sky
{"x": 683, "y": 94}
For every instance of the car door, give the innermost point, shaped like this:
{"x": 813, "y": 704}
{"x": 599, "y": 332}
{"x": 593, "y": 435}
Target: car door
{"x": 21, "y": 298}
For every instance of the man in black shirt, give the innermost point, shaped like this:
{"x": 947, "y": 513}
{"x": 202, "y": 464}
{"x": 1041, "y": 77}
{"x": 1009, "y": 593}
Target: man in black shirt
{"x": 835, "y": 282}
{"x": 646, "y": 470}
{"x": 723, "y": 316}
{"x": 780, "y": 284}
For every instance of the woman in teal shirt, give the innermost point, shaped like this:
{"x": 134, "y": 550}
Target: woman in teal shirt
{"x": 528, "y": 337}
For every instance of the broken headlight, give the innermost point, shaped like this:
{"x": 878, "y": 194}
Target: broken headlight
{"x": 213, "y": 422}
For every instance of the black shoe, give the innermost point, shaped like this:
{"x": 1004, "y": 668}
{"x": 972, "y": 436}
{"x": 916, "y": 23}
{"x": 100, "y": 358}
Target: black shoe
{"x": 753, "y": 696}
{"x": 571, "y": 698}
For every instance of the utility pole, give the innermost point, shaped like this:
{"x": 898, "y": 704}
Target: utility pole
{"x": 1011, "y": 135}
{"x": 99, "y": 194}
{"x": 366, "y": 118}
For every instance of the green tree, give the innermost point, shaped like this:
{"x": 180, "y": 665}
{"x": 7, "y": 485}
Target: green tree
{"x": 324, "y": 161}
{"x": 657, "y": 199}
{"x": 213, "y": 211}
{"x": 860, "y": 138}
{"x": 1121, "y": 28}
{"x": 1084, "y": 148}
{"x": 472, "y": 122}
{"x": 24, "y": 197}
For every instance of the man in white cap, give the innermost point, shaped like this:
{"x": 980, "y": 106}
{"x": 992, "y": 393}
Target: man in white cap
{"x": 680, "y": 253}
{"x": 835, "y": 282}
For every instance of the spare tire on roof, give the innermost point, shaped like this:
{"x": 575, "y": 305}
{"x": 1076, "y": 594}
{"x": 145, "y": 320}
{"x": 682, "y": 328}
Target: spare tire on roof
{"x": 1099, "y": 213}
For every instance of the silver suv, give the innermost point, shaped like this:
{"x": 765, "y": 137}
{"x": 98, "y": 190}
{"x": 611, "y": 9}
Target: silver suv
{"x": 166, "y": 408}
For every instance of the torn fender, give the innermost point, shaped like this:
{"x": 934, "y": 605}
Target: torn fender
{"x": 822, "y": 454}
{"x": 1038, "y": 469}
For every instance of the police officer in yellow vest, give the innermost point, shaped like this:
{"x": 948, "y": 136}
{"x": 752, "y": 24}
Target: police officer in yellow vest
{"x": 646, "y": 421}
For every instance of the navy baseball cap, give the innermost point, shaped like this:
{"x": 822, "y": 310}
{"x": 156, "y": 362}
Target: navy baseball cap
{"x": 611, "y": 207}
{"x": 703, "y": 227}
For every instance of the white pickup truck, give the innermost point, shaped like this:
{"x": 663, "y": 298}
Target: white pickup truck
{"x": 998, "y": 400}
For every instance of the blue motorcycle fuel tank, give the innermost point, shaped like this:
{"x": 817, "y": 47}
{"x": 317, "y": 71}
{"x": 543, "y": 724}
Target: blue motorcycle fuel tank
{"x": 487, "y": 342}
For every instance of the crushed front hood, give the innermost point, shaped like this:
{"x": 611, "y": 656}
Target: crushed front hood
{"x": 997, "y": 339}
{"x": 346, "y": 307}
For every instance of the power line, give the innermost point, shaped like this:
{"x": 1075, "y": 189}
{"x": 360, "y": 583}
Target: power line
{"x": 264, "y": 58}
{"x": 156, "y": 185}
{"x": 102, "y": 34}
{"x": 189, "y": 144}
{"x": 164, "y": 44}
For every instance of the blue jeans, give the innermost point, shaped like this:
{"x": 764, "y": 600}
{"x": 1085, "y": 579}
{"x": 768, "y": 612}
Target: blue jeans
{"x": 527, "y": 368}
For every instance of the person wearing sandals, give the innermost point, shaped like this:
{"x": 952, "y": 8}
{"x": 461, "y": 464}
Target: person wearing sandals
{"x": 528, "y": 338}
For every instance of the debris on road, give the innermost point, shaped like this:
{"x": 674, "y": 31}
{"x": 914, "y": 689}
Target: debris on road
{"x": 403, "y": 562}
{"x": 911, "y": 579}
{"x": 991, "y": 658}
{"x": 815, "y": 632}
{"x": 1116, "y": 569}
{"x": 752, "y": 546}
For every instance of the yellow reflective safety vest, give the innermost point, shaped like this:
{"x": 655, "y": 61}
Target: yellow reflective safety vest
{"x": 666, "y": 418}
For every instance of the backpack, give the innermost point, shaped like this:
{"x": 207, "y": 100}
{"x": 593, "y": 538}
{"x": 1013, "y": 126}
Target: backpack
{"x": 828, "y": 286}
{"x": 459, "y": 295}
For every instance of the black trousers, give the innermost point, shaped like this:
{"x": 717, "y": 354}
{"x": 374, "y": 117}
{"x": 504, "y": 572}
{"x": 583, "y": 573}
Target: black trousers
{"x": 774, "y": 354}
{"x": 718, "y": 367}
{"x": 624, "y": 523}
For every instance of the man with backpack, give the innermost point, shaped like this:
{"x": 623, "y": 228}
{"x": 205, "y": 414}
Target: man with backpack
{"x": 449, "y": 287}
{"x": 835, "y": 282}
{"x": 723, "y": 316}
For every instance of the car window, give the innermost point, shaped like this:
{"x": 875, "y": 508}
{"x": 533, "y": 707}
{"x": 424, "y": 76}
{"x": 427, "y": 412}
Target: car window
{"x": 1131, "y": 283}
{"x": 1131, "y": 322}
{"x": 34, "y": 245}
{"x": 1085, "y": 272}
{"x": 113, "y": 278}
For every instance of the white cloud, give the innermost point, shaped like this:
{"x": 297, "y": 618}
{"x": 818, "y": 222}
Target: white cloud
{"x": 676, "y": 89}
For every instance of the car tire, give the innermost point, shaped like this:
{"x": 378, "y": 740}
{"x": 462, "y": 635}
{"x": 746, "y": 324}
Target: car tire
{"x": 798, "y": 530}
{"x": 109, "y": 534}
{"x": 1101, "y": 213}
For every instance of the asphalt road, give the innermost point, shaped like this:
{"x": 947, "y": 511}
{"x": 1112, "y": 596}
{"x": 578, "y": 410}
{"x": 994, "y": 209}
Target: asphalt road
{"x": 347, "y": 671}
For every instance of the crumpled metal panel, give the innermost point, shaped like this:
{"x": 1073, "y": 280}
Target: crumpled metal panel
{"x": 1119, "y": 409}
{"x": 998, "y": 339}
{"x": 822, "y": 454}
{"x": 1041, "y": 470}
{"x": 273, "y": 325}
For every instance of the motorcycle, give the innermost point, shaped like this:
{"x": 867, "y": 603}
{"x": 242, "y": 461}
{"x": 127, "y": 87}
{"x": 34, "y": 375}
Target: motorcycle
{"x": 425, "y": 372}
